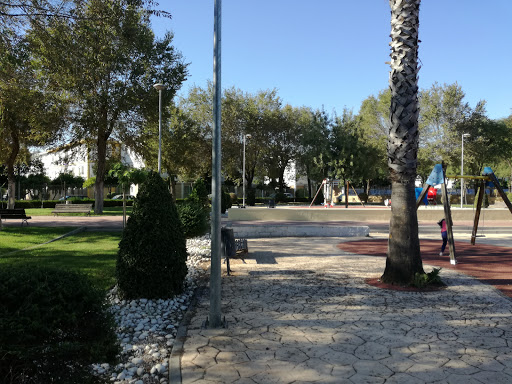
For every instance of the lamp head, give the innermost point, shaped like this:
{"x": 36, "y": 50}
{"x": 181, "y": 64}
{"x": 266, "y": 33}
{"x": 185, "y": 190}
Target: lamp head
{"x": 159, "y": 86}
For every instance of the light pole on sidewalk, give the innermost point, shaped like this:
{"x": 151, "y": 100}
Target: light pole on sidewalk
{"x": 243, "y": 175}
{"x": 159, "y": 87}
{"x": 462, "y": 170}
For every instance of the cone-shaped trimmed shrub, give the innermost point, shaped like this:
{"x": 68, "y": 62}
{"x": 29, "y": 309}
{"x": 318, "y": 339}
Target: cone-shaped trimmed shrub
{"x": 151, "y": 262}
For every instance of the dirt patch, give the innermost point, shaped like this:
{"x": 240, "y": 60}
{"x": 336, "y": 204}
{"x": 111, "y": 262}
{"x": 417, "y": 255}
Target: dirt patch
{"x": 375, "y": 282}
{"x": 488, "y": 263}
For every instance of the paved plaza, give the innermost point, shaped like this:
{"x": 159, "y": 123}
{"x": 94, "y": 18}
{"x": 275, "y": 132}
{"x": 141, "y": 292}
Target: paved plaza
{"x": 298, "y": 310}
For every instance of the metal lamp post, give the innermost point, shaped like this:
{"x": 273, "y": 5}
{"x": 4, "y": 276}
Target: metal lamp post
{"x": 215, "y": 271}
{"x": 462, "y": 170}
{"x": 243, "y": 175}
{"x": 159, "y": 87}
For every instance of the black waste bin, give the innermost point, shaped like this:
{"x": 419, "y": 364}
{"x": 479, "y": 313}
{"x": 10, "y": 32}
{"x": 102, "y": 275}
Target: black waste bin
{"x": 228, "y": 245}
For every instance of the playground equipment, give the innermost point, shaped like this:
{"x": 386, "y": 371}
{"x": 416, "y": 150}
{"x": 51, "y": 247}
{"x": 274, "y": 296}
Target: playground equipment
{"x": 438, "y": 176}
{"x": 328, "y": 186}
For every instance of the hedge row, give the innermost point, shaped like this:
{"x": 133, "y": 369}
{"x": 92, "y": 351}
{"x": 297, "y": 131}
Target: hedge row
{"x": 25, "y": 204}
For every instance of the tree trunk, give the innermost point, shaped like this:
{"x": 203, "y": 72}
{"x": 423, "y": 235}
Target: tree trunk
{"x": 173, "y": 187}
{"x": 11, "y": 178}
{"x": 403, "y": 259}
{"x": 100, "y": 175}
{"x": 11, "y": 187}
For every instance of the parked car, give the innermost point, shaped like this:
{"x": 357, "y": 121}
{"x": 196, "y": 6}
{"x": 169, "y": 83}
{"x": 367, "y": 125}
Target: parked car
{"x": 81, "y": 197}
{"x": 288, "y": 195}
{"x": 120, "y": 197}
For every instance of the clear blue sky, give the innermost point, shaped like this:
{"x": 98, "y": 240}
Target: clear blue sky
{"x": 332, "y": 53}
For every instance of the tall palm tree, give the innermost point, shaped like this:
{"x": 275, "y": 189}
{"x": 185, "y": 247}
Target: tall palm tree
{"x": 403, "y": 259}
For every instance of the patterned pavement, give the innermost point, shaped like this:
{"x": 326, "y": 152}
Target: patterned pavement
{"x": 299, "y": 311}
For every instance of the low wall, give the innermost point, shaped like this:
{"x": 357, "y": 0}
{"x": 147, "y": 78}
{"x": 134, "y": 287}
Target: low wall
{"x": 357, "y": 214}
{"x": 264, "y": 231}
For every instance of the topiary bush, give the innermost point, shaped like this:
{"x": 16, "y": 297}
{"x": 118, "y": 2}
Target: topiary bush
{"x": 53, "y": 325}
{"x": 151, "y": 262}
{"x": 199, "y": 193}
{"x": 194, "y": 218}
{"x": 225, "y": 202}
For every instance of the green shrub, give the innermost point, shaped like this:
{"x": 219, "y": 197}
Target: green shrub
{"x": 225, "y": 202}
{"x": 53, "y": 325}
{"x": 421, "y": 280}
{"x": 485, "y": 201}
{"x": 151, "y": 261}
{"x": 199, "y": 193}
{"x": 509, "y": 196}
{"x": 194, "y": 218}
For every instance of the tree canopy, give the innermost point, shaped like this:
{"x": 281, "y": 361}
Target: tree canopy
{"x": 107, "y": 59}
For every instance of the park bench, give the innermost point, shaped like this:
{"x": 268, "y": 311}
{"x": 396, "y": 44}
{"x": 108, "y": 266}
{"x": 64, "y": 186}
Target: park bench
{"x": 72, "y": 208}
{"x": 16, "y": 213}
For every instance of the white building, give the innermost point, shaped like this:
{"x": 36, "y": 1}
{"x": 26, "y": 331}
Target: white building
{"x": 78, "y": 161}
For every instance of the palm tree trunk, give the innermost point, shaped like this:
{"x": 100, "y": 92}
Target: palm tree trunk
{"x": 403, "y": 259}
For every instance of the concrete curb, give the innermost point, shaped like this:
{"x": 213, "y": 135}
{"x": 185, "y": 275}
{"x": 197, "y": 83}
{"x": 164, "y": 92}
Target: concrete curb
{"x": 181, "y": 336}
{"x": 266, "y": 231}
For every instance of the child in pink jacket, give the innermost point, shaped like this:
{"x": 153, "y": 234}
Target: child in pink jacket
{"x": 444, "y": 235}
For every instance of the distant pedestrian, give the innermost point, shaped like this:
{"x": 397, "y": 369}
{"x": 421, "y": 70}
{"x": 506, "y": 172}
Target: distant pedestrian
{"x": 444, "y": 234}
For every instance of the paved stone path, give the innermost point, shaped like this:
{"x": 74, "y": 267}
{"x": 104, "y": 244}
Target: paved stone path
{"x": 299, "y": 311}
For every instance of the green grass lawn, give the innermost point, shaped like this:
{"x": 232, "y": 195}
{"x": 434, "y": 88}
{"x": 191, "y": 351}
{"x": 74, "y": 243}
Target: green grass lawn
{"x": 108, "y": 211}
{"x": 15, "y": 238}
{"x": 93, "y": 253}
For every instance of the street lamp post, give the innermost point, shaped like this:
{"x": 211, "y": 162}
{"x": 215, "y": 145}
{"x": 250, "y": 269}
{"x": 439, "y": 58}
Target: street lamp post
{"x": 159, "y": 87}
{"x": 462, "y": 170}
{"x": 243, "y": 174}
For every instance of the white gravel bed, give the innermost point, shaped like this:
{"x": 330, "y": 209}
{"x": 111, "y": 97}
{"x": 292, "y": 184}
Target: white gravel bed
{"x": 147, "y": 328}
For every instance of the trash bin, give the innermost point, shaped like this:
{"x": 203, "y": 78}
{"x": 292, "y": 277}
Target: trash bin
{"x": 227, "y": 245}
{"x": 271, "y": 203}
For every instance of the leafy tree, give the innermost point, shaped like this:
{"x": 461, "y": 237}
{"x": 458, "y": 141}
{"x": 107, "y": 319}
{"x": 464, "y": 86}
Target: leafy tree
{"x": 313, "y": 145}
{"x": 506, "y": 160}
{"x": 107, "y": 59}
{"x": 30, "y": 113}
{"x": 89, "y": 183}
{"x": 344, "y": 161}
{"x": 126, "y": 176}
{"x": 488, "y": 142}
{"x": 403, "y": 259}
{"x": 282, "y": 142}
{"x": 66, "y": 180}
{"x": 373, "y": 129}
{"x": 442, "y": 108}
{"x": 36, "y": 184}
